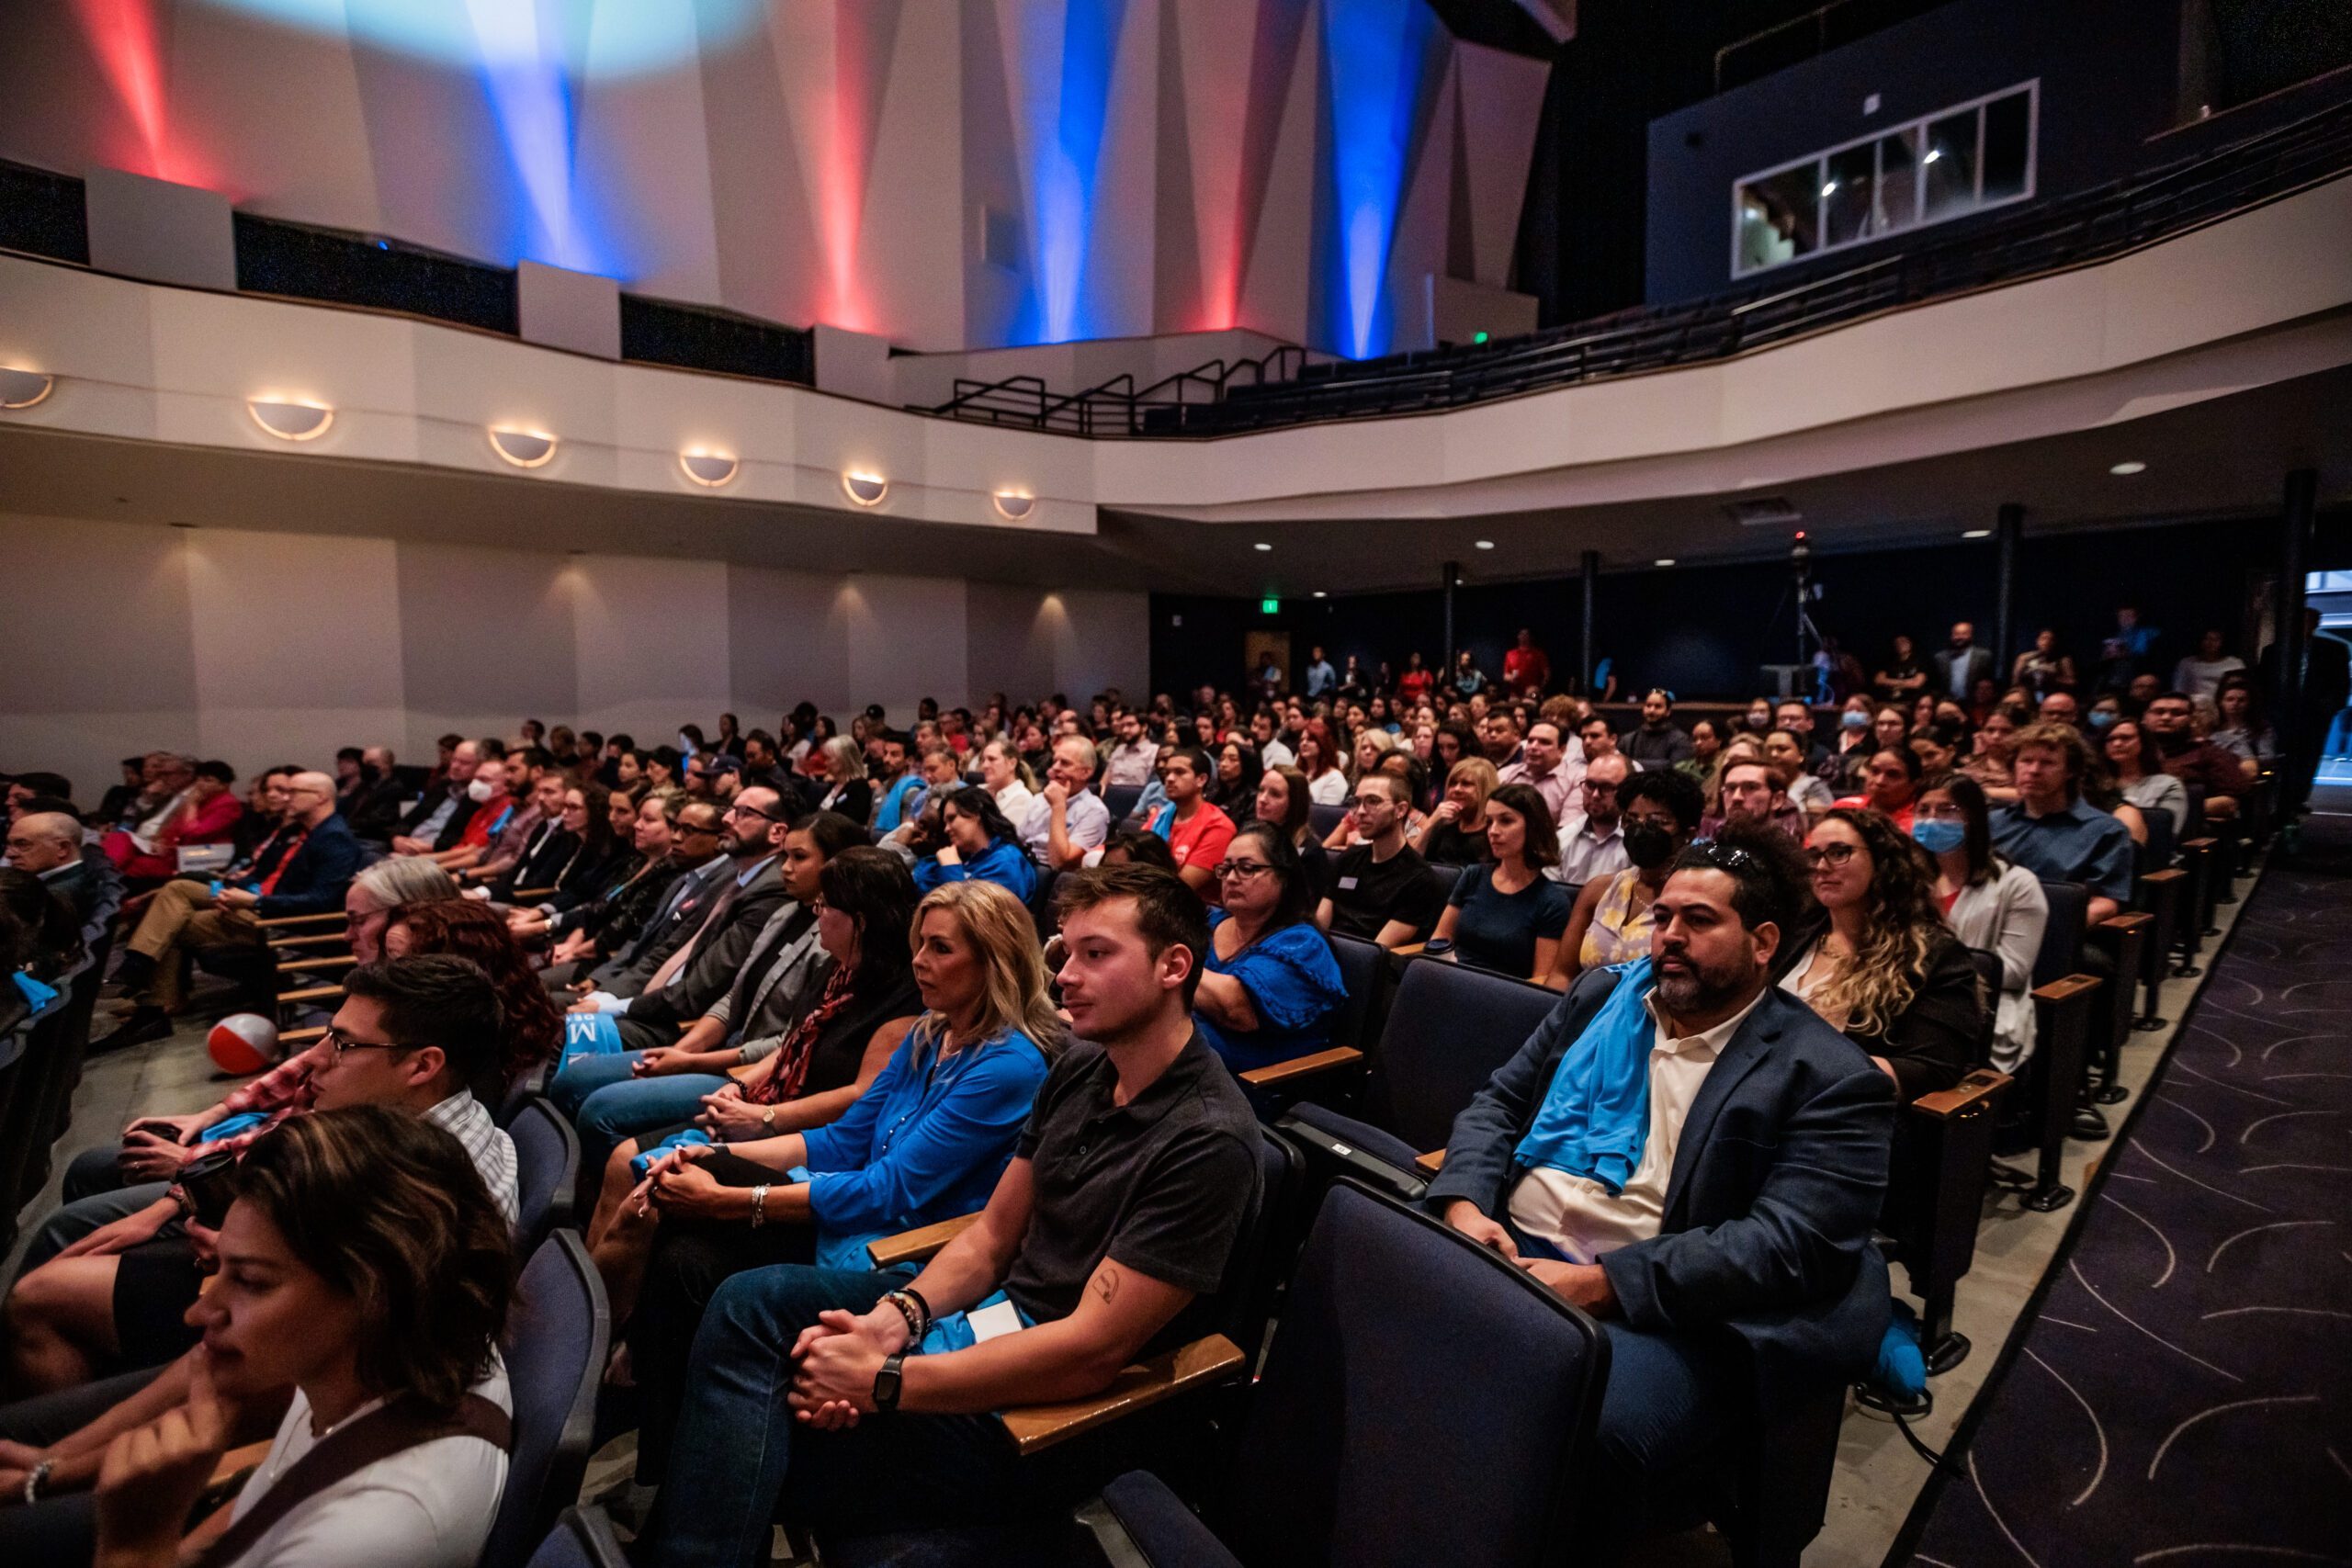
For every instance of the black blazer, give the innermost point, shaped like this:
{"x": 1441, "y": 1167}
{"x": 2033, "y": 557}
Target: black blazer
{"x": 718, "y": 953}
{"x": 317, "y": 874}
{"x": 1931, "y": 1044}
{"x": 1777, "y": 1182}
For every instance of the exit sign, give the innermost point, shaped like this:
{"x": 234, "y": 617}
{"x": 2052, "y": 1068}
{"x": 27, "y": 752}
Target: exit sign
{"x": 1270, "y": 606}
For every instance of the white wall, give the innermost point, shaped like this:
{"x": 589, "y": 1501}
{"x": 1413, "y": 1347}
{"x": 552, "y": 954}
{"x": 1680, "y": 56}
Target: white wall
{"x": 265, "y": 647}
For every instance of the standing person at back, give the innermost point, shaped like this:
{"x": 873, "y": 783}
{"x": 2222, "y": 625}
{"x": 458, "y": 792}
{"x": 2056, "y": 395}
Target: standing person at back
{"x": 1381, "y": 889}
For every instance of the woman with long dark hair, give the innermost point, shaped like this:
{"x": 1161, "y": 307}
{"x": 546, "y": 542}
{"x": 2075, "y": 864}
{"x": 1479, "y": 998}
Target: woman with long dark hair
{"x": 981, "y": 847}
{"x": 1268, "y": 984}
{"x": 1234, "y": 786}
{"x": 1508, "y": 916}
{"x": 532, "y": 1028}
{"x": 1990, "y": 903}
{"x": 1284, "y": 800}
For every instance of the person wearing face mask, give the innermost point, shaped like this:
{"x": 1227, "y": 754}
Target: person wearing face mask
{"x": 435, "y": 821}
{"x": 1851, "y": 746}
{"x": 1991, "y": 904}
{"x": 1610, "y": 921}
{"x": 2104, "y": 712}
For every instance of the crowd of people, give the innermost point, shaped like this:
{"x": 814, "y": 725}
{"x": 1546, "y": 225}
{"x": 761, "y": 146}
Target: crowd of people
{"x": 803, "y": 988}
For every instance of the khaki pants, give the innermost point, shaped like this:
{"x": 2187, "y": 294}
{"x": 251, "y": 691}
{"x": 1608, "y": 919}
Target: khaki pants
{"x": 182, "y": 917}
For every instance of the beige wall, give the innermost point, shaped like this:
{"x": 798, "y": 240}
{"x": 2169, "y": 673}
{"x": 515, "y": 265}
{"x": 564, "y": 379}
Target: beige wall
{"x": 263, "y": 647}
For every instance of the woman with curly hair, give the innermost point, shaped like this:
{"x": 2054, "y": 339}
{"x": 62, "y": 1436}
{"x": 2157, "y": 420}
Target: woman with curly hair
{"x": 1877, "y": 960}
{"x": 533, "y": 1028}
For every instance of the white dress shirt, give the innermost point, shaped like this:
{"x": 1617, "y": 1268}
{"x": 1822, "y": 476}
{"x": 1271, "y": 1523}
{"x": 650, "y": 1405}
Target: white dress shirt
{"x": 1585, "y": 855}
{"x": 1576, "y": 1214}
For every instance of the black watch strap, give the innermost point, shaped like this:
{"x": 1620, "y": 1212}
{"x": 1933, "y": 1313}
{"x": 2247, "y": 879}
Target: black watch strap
{"x": 885, "y": 1383}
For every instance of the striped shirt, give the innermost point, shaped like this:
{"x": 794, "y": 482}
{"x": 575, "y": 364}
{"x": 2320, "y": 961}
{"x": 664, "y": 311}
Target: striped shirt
{"x": 486, "y": 1143}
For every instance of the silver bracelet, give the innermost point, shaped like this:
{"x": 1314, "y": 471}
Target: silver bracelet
{"x": 759, "y": 1205}
{"x": 36, "y": 1478}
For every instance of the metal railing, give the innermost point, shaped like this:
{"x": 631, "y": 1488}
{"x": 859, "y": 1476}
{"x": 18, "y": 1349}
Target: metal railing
{"x": 1117, "y": 407}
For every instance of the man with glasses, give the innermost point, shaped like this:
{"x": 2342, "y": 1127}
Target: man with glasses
{"x": 1751, "y": 792}
{"x": 303, "y": 870}
{"x": 696, "y": 829}
{"x": 1381, "y": 890}
{"x": 1592, "y": 841}
{"x": 1694, "y": 1157}
{"x": 1197, "y": 831}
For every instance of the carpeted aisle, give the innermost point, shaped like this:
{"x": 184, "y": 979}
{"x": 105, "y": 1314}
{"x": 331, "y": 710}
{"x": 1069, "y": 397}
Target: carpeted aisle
{"x": 2184, "y": 1395}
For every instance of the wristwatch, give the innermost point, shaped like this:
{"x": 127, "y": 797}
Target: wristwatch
{"x": 885, "y": 1387}
{"x": 767, "y": 1120}
{"x": 759, "y": 1205}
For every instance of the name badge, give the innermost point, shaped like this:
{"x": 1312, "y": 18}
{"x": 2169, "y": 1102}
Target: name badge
{"x": 991, "y": 1322}
{"x": 1347, "y": 885}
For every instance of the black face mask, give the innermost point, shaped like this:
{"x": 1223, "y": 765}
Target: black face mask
{"x": 1648, "y": 846}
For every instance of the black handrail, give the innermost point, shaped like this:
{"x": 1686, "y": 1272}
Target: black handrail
{"x": 1115, "y": 406}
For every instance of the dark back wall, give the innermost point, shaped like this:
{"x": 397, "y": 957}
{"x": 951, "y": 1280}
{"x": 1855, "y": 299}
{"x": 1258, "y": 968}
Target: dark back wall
{"x": 1703, "y": 632}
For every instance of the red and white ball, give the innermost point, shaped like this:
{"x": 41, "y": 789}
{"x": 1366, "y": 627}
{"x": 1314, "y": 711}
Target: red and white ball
{"x": 243, "y": 1043}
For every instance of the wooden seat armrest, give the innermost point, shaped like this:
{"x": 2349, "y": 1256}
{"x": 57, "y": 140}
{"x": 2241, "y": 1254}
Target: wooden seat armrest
{"x": 1197, "y": 1365}
{"x": 1980, "y": 1088}
{"x": 2128, "y": 921}
{"x": 1310, "y": 1066}
{"x": 2204, "y": 843}
{"x": 275, "y": 921}
{"x": 236, "y": 1462}
{"x": 300, "y": 1036}
{"x": 2170, "y": 873}
{"x": 311, "y": 941}
{"x": 329, "y": 961}
{"x": 1430, "y": 1163}
{"x": 311, "y": 994}
{"x": 1408, "y": 950}
{"x": 520, "y": 894}
{"x": 2067, "y": 988}
{"x": 918, "y": 1246}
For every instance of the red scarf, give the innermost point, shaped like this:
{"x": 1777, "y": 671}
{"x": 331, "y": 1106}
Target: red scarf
{"x": 789, "y": 1067}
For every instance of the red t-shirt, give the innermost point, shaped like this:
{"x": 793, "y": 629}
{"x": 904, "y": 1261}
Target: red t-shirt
{"x": 1414, "y": 685}
{"x": 1526, "y": 670}
{"x": 1202, "y": 840}
{"x": 1858, "y": 803}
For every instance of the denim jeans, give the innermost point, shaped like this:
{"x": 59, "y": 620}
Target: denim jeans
{"x": 738, "y": 1448}
{"x": 1670, "y": 1398}
{"x": 610, "y": 1107}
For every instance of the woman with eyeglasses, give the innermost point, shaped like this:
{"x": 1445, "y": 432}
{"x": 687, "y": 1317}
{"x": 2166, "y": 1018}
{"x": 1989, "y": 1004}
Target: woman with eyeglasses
{"x": 1659, "y": 817}
{"x": 981, "y": 847}
{"x": 1268, "y": 984}
{"x": 1991, "y": 904}
{"x": 2139, "y": 775}
{"x": 1508, "y": 916}
{"x": 1876, "y": 959}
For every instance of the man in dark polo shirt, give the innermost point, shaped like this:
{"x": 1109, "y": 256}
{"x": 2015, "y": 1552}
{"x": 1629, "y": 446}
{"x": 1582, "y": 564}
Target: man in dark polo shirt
{"x": 1119, "y": 1211}
{"x": 1381, "y": 890}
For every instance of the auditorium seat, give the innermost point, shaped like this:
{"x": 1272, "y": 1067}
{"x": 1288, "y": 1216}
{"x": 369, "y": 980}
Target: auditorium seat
{"x": 557, "y": 1342}
{"x": 583, "y": 1538}
{"x": 2054, "y": 1074}
{"x": 1321, "y": 819}
{"x": 546, "y": 1168}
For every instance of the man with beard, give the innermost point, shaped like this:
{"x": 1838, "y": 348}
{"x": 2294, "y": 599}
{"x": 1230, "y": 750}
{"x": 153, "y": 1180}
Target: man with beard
{"x": 1694, "y": 1157}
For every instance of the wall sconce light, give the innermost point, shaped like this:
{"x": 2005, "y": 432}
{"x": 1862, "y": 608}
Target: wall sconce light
{"x": 1014, "y": 506}
{"x": 290, "y": 419}
{"x": 707, "y": 468}
{"x": 523, "y": 448}
{"x": 23, "y": 388}
{"x": 867, "y": 490}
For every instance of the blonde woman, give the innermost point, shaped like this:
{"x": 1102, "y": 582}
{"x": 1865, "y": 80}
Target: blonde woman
{"x": 1372, "y": 744}
{"x": 1456, "y": 833}
{"x": 847, "y": 790}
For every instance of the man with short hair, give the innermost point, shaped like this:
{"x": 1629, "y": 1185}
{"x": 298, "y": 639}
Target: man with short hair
{"x": 1197, "y": 832}
{"x": 438, "y": 818}
{"x": 1592, "y": 840}
{"x": 1068, "y": 818}
{"x": 1544, "y": 763}
{"x": 48, "y": 844}
{"x": 941, "y": 775}
{"x": 2061, "y": 707}
{"x": 1752, "y": 795}
{"x": 372, "y": 807}
{"x": 305, "y": 872}
{"x": 2199, "y": 763}
{"x": 2052, "y": 831}
{"x": 1657, "y": 740}
{"x": 1599, "y": 740}
{"x": 1133, "y": 753}
{"x": 540, "y": 818}
{"x": 1271, "y": 752}
{"x": 1690, "y": 1154}
{"x": 1320, "y": 677}
{"x": 1795, "y": 716}
{"x": 763, "y": 763}
{"x": 1106, "y": 1240}
{"x": 1960, "y": 665}
{"x": 1498, "y": 738}
{"x": 698, "y": 833}
{"x": 1381, "y": 889}
{"x": 897, "y": 780}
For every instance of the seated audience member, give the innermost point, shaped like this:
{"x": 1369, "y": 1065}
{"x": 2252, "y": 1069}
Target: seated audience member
{"x": 1268, "y": 742}
{"x": 1129, "y": 761}
{"x": 665, "y": 767}
{"x": 48, "y": 844}
{"x": 1197, "y": 832}
{"x": 2242, "y": 730}
{"x": 1508, "y": 916}
{"x": 1599, "y": 740}
{"x": 2169, "y": 722}
{"x": 1991, "y": 904}
{"x": 1007, "y": 778}
{"x": 2201, "y": 674}
{"x": 1785, "y": 750}
{"x": 927, "y": 1142}
{"x": 539, "y": 820}
{"x": 418, "y": 1034}
{"x": 119, "y": 798}
{"x": 1706, "y": 751}
{"x": 1852, "y": 745}
{"x": 497, "y": 829}
{"x": 1890, "y": 783}
{"x": 618, "y": 1095}
{"x": 938, "y": 774}
{"x": 304, "y": 871}
{"x": 206, "y": 813}
{"x": 1546, "y": 765}
{"x": 2052, "y": 831}
{"x": 436, "y": 821}
{"x": 1108, "y": 1225}
{"x": 1456, "y": 833}
{"x": 1327, "y": 780}
{"x": 373, "y": 806}
{"x": 1793, "y": 716}
{"x": 1381, "y": 890}
{"x": 1939, "y": 746}
{"x": 572, "y": 850}
{"x": 531, "y": 1029}
{"x": 1235, "y": 783}
{"x": 1611, "y": 919}
{"x": 695, "y": 965}
{"x": 608, "y": 919}
{"x": 363, "y": 1271}
{"x": 1704, "y": 1265}
{"x": 1133, "y": 846}
{"x": 1068, "y": 818}
{"x": 894, "y": 785}
{"x": 1657, "y": 740}
{"x": 171, "y": 778}
{"x": 1497, "y": 735}
{"x": 2137, "y": 773}
{"x": 981, "y": 847}
{"x": 1993, "y": 748}
{"x": 1876, "y": 959}
{"x": 41, "y": 941}
{"x": 847, "y": 790}
{"x": 697, "y": 831}
{"x": 2061, "y": 707}
{"x": 1283, "y": 800}
{"x": 1268, "y": 984}
{"x": 1591, "y": 846}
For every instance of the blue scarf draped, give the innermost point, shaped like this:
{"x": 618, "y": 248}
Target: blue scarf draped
{"x": 1596, "y": 1116}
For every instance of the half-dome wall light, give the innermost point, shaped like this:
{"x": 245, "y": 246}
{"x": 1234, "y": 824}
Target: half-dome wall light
{"x": 523, "y": 448}
{"x": 867, "y": 490}
{"x": 707, "y": 468}
{"x": 23, "y": 388}
{"x": 290, "y": 419}
{"x": 1014, "y": 506}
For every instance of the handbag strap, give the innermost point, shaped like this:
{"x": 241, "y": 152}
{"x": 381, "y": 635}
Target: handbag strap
{"x": 376, "y": 1435}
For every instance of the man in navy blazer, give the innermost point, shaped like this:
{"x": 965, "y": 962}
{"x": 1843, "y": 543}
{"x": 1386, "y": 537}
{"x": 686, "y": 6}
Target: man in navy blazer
{"x": 1734, "y": 1266}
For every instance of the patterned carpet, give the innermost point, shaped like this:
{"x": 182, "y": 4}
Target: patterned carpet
{"x": 2184, "y": 1395}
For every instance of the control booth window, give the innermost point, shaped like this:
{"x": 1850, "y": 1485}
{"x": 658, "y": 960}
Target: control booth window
{"x": 1934, "y": 169}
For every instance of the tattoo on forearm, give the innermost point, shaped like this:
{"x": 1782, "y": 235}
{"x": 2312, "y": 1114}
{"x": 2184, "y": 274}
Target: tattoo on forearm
{"x": 1106, "y": 1284}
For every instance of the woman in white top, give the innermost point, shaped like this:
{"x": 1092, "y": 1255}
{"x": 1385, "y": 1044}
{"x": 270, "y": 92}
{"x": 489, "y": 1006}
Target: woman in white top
{"x": 1004, "y": 775}
{"x": 1991, "y": 904}
{"x": 2140, "y": 773}
{"x": 1326, "y": 781}
{"x": 365, "y": 1264}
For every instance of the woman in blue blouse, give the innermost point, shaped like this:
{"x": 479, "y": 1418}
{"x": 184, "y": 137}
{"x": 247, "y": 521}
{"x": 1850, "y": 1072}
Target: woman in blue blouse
{"x": 926, "y": 1143}
{"x": 981, "y": 847}
{"x": 1270, "y": 985}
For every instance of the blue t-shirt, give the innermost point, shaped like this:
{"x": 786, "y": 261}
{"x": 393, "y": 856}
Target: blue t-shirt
{"x": 1005, "y": 862}
{"x": 1499, "y": 931}
{"x": 1295, "y": 987}
{"x": 926, "y": 1143}
{"x": 890, "y": 810}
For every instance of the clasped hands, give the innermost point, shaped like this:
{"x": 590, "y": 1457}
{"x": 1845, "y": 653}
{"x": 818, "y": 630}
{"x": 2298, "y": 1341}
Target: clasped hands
{"x": 840, "y": 1356}
{"x": 1581, "y": 1284}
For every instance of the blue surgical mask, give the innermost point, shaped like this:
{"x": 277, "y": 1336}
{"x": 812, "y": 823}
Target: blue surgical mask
{"x": 1855, "y": 721}
{"x": 1937, "y": 837}
{"x": 2101, "y": 719}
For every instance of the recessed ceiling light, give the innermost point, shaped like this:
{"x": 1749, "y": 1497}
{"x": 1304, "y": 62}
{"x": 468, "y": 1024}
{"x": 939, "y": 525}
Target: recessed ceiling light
{"x": 523, "y": 448}
{"x": 1976, "y": 534}
{"x": 1485, "y": 544}
{"x": 2127, "y": 470}
{"x": 1261, "y": 545}
{"x": 290, "y": 419}
{"x": 707, "y": 468}
{"x": 867, "y": 490}
{"x": 1663, "y": 561}
{"x": 1319, "y": 593}
{"x": 23, "y": 388}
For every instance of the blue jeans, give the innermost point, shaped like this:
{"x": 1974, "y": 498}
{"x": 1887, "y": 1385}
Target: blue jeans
{"x": 1670, "y": 1399}
{"x": 610, "y": 1107}
{"x": 738, "y": 1448}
